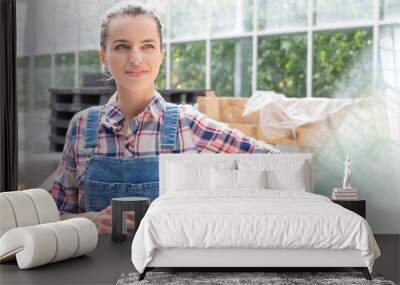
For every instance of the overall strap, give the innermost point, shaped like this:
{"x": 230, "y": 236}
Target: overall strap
{"x": 169, "y": 127}
{"x": 92, "y": 126}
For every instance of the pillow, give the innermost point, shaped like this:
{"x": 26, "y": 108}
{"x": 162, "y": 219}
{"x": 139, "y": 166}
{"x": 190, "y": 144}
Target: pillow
{"x": 188, "y": 177}
{"x": 231, "y": 180}
{"x": 289, "y": 179}
{"x": 282, "y": 174}
{"x": 251, "y": 178}
{"x": 223, "y": 179}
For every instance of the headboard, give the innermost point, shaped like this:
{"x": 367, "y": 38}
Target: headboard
{"x": 248, "y": 160}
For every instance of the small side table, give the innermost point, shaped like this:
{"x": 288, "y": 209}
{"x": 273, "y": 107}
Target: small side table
{"x": 139, "y": 205}
{"x": 357, "y": 206}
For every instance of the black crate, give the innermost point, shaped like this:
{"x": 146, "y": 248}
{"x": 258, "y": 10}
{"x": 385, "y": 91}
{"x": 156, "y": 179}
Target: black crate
{"x": 67, "y": 102}
{"x": 97, "y": 80}
{"x": 182, "y": 96}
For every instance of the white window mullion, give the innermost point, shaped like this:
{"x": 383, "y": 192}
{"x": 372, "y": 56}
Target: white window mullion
{"x": 53, "y": 70}
{"x": 168, "y": 44}
{"x": 310, "y": 47}
{"x": 282, "y": 31}
{"x": 254, "y": 48}
{"x": 168, "y": 67}
{"x": 388, "y": 22}
{"x": 238, "y": 34}
{"x": 208, "y": 46}
{"x": 31, "y": 89}
{"x": 76, "y": 79}
{"x": 375, "y": 47}
{"x": 239, "y": 28}
{"x": 344, "y": 26}
{"x": 77, "y": 67}
{"x": 395, "y": 55}
{"x": 208, "y": 63}
{"x": 238, "y": 69}
{"x": 53, "y": 56}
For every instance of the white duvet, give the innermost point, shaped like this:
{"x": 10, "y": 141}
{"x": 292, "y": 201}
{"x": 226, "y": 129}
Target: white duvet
{"x": 250, "y": 219}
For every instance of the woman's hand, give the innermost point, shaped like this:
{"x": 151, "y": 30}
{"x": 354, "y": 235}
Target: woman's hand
{"x": 103, "y": 219}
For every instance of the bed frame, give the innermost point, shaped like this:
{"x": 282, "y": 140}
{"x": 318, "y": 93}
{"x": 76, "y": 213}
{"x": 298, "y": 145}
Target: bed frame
{"x": 250, "y": 258}
{"x": 246, "y": 259}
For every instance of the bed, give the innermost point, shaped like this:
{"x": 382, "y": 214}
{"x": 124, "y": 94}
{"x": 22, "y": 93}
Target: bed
{"x": 247, "y": 210}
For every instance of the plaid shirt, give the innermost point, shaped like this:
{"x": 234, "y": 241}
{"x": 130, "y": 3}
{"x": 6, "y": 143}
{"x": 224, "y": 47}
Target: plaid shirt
{"x": 139, "y": 137}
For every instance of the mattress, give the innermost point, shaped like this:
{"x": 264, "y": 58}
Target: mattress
{"x": 250, "y": 219}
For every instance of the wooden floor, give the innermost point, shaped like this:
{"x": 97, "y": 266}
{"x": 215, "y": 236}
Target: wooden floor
{"x": 388, "y": 263}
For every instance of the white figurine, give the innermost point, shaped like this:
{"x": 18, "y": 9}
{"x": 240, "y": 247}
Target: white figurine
{"x": 347, "y": 173}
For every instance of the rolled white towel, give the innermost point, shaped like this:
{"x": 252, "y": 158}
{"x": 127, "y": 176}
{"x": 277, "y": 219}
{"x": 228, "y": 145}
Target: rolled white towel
{"x": 33, "y": 246}
{"x": 87, "y": 235}
{"x": 7, "y": 220}
{"x": 66, "y": 238}
{"x": 45, "y": 205}
{"x": 26, "y": 208}
{"x": 23, "y": 208}
{"x": 40, "y": 244}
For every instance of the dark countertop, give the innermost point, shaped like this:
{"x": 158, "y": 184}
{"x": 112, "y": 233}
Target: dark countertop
{"x": 104, "y": 265}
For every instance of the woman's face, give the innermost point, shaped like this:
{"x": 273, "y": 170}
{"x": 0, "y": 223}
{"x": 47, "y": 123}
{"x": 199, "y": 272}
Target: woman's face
{"x": 133, "y": 54}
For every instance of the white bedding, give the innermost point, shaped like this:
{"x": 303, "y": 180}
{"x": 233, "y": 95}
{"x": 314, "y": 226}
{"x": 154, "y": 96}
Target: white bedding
{"x": 251, "y": 218}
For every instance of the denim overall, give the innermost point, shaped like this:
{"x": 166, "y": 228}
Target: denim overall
{"x": 109, "y": 177}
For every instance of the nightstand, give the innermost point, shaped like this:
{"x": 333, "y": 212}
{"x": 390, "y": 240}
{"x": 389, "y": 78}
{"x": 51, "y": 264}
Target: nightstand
{"x": 357, "y": 206}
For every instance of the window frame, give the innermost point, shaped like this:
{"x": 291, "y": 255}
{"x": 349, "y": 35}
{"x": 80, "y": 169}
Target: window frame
{"x": 375, "y": 24}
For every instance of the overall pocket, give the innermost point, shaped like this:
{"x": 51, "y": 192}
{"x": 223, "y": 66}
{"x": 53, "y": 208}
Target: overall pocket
{"x": 148, "y": 189}
{"x": 98, "y": 195}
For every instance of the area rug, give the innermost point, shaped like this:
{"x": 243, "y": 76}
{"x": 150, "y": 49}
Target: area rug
{"x": 269, "y": 278}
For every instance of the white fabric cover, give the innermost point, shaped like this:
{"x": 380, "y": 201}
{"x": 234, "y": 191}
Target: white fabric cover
{"x": 23, "y": 208}
{"x": 281, "y": 116}
{"x": 45, "y": 206}
{"x": 41, "y": 244}
{"x": 184, "y": 177}
{"x": 282, "y": 174}
{"x": 26, "y": 208}
{"x": 251, "y": 178}
{"x": 223, "y": 179}
{"x": 232, "y": 180}
{"x": 250, "y": 219}
{"x": 87, "y": 235}
{"x": 33, "y": 246}
{"x": 66, "y": 237}
{"x": 293, "y": 171}
{"x": 7, "y": 218}
{"x": 30, "y": 230}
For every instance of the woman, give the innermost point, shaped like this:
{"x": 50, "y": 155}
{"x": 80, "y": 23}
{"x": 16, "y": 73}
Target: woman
{"x": 112, "y": 150}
